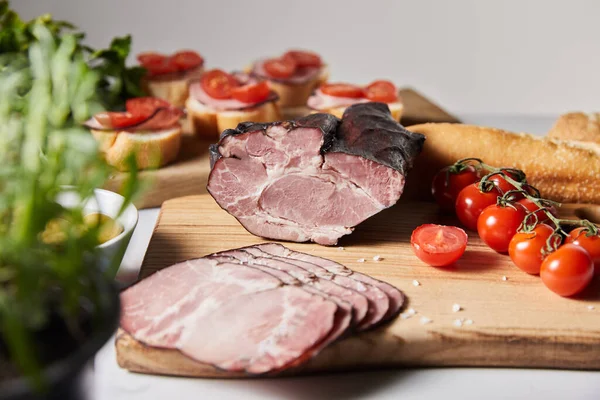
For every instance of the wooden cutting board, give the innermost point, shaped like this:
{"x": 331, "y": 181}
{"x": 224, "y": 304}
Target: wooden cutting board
{"x": 516, "y": 322}
{"x": 189, "y": 174}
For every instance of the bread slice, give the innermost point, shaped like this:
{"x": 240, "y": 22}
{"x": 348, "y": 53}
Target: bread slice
{"x": 209, "y": 123}
{"x": 395, "y": 108}
{"x": 151, "y": 149}
{"x": 175, "y": 90}
{"x": 577, "y": 126}
{"x": 563, "y": 171}
{"x": 292, "y": 96}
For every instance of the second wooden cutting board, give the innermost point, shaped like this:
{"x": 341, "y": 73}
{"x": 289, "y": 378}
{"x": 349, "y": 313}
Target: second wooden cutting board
{"x": 515, "y": 321}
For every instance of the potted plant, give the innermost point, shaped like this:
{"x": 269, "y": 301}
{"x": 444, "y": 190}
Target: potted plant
{"x": 57, "y": 306}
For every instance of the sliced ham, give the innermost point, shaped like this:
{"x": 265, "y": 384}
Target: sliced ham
{"x": 300, "y": 76}
{"x": 320, "y": 101}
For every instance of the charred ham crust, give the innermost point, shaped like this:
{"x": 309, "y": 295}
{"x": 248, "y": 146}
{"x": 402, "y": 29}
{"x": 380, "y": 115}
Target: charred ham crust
{"x": 369, "y": 131}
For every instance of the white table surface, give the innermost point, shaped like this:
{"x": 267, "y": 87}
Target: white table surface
{"x": 113, "y": 383}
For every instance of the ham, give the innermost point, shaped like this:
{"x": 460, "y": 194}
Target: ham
{"x": 321, "y": 102}
{"x": 315, "y": 178}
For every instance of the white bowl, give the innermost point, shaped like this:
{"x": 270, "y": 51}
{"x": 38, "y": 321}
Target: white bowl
{"x": 107, "y": 203}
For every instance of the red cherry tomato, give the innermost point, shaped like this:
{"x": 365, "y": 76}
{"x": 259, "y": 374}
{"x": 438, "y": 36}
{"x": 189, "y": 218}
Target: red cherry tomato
{"x": 525, "y": 249}
{"x": 447, "y": 185}
{"x": 438, "y": 245}
{"x": 382, "y": 91}
{"x": 145, "y": 106}
{"x": 498, "y": 224}
{"x": 470, "y": 202}
{"x": 150, "y": 58}
{"x": 186, "y": 59}
{"x": 304, "y": 58}
{"x": 280, "y": 67}
{"x": 530, "y": 207}
{"x": 568, "y": 270}
{"x": 579, "y": 237}
{"x": 156, "y": 64}
{"x": 252, "y": 93}
{"x": 118, "y": 120}
{"x": 502, "y": 184}
{"x": 218, "y": 84}
{"x": 342, "y": 90}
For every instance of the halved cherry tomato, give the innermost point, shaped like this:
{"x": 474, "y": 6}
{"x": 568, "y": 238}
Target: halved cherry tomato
{"x": 498, "y": 224}
{"x": 470, "y": 202}
{"x": 304, "y": 58}
{"x": 525, "y": 248}
{"x": 218, "y": 84}
{"x": 447, "y": 185}
{"x": 145, "y": 106}
{"x": 252, "y": 93}
{"x": 568, "y": 270}
{"x": 579, "y": 237}
{"x": 156, "y": 64}
{"x": 382, "y": 91}
{"x": 280, "y": 67}
{"x": 530, "y": 207}
{"x": 342, "y": 90}
{"x": 438, "y": 245}
{"x": 118, "y": 120}
{"x": 186, "y": 59}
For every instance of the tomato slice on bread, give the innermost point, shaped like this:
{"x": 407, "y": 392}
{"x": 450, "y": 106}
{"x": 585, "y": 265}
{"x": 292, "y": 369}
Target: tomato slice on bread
{"x": 145, "y": 106}
{"x": 438, "y": 245}
{"x": 218, "y": 84}
{"x": 118, "y": 120}
{"x": 186, "y": 59}
{"x": 342, "y": 90}
{"x": 382, "y": 91}
{"x": 303, "y": 58}
{"x": 252, "y": 93}
{"x": 280, "y": 67}
{"x": 160, "y": 64}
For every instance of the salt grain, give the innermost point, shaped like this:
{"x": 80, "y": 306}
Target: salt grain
{"x": 504, "y": 278}
{"x": 591, "y": 308}
{"x": 361, "y": 260}
{"x": 341, "y": 248}
{"x": 457, "y": 323}
{"x": 377, "y": 258}
{"x": 416, "y": 283}
{"x": 456, "y": 308}
{"x": 405, "y": 316}
{"x": 411, "y": 311}
{"x": 469, "y": 322}
{"x": 425, "y": 320}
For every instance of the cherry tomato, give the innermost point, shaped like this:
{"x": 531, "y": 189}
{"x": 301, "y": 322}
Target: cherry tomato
{"x": 304, "y": 58}
{"x": 145, "y": 106}
{"x": 447, "y": 185}
{"x": 502, "y": 184}
{"x": 470, "y": 202}
{"x": 252, "y": 93}
{"x": 186, "y": 59}
{"x": 438, "y": 245}
{"x": 382, "y": 91}
{"x": 218, "y": 84}
{"x": 579, "y": 237}
{"x": 525, "y": 249}
{"x": 342, "y": 90}
{"x": 568, "y": 270}
{"x": 280, "y": 67}
{"x": 498, "y": 224}
{"x": 118, "y": 120}
{"x": 156, "y": 64}
{"x": 529, "y": 207}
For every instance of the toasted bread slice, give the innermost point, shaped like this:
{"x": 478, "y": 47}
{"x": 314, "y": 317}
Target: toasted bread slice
{"x": 151, "y": 149}
{"x": 563, "y": 171}
{"x": 175, "y": 90}
{"x": 577, "y": 126}
{"x": 209, "y": 123}
{"x": 395, "y": 108}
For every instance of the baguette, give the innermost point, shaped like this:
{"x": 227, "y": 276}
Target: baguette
{"x": 563, "y": 171}
{"x": 151, "y": 149}
{"x": 577, "y": 126}
{"x": 175, "y": 90}
{"x": 209, "y": 123}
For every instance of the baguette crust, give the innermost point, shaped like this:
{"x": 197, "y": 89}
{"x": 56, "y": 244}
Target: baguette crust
{"x": 209, "y": 123}
{"x": 577, "y": 126}
{"x": 175, "y": 91}
{"x": 152, "y": 149}
{"x": 395, "y": 108}
{"x": 563, "y": 171}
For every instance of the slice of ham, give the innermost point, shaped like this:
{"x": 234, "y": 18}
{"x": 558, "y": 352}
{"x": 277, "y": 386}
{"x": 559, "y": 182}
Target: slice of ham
{"x": 199, "y": 94}
{"x": 262, "y": 332}
{"x": 300, "y": 77}
{"x": 320, "y": 101}
{"x": 163, "y": 118}
{"x": 396, "y": 298}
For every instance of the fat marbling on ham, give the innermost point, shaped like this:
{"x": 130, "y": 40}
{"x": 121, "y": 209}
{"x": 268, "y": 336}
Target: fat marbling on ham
{"x": 314, "y": 178}
{"x": 249, "y": 310}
